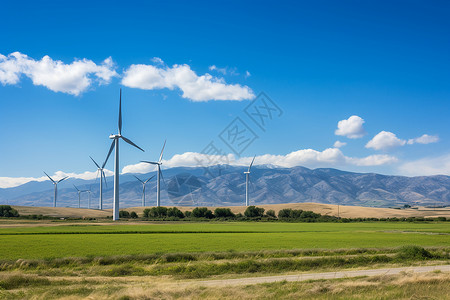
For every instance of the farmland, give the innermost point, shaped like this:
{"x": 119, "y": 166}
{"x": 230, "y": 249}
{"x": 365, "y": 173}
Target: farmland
{"x": 86, "y": 239}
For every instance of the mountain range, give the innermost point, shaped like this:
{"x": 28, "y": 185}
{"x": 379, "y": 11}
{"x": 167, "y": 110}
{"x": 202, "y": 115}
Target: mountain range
{"x": 224, "y": 185}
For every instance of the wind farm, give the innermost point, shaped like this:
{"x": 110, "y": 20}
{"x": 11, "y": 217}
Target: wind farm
{"x": 233, "y": 150}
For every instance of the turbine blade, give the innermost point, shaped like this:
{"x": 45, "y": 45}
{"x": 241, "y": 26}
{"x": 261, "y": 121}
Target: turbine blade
{"x": 162, "y": 176}
{"x": 150, "y": 162}
{"x": 76, "y": 187}
{"x": 138, "y": 179}
{"x": 109, "y": 153}
{"x": 95, "y": 162}
{"x": 120, "y": 112}
{"x": 149, "y": 179}
{"x": 49, "y": 177}
{"x": 162, "y": 151}
{"x": 251, "y": 163}
{"x": 62, "y": 179}
{"x": 104, "y": 177}
{"x": 131, "y": 143}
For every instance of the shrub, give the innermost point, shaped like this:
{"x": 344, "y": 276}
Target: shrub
{"x": 8, "y": 211}
{"x": 187, "y": 214}
{"x": 155, "y": 212}
{"x": 124, "y": 214}
{"x": 254, "y": 212}
{"x": 223, "y": 213}
{"x": 133, "y": 215}
{"x": 271, "y": 214}
{"x": 202, "y": 212}
{"x": 413, "y": 252}
{"x": 175, "y": 212}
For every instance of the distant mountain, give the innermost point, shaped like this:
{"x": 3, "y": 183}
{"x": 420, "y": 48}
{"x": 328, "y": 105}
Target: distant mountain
{"x": 225, "y": 185}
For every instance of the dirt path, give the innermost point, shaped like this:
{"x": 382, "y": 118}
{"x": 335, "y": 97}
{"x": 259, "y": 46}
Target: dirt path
{"x": 325, "y": 275}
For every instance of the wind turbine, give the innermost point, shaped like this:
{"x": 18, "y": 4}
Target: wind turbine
{"x": 102, "y": 175}
{"x": 143, "y": 188}
{"x": 89, "y": 199}
{"x": 56, "y": 187}
{"x": 247, "y": 175}
{"x": 115, "y": 138}
{"x": 79, "y": 195}
{"x": 158, "y": 181}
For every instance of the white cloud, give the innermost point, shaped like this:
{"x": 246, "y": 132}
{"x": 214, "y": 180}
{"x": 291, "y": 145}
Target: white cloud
{"x": 305, "y": 157}
{"x": 351, "y": 128}
{"x": 373, "y": 160}
{"x": 385, "y": 140}
{"x": 73, "y": 78}
{"x": 339, "y": 144}
{"x": 247, "y": 74}
{"x": 7, "y": 182}
{"x": 424, "y": 139}
{"x": 194, "y": 87}
{"x": 157, "y": 60}
{"x": 427, "y": 166}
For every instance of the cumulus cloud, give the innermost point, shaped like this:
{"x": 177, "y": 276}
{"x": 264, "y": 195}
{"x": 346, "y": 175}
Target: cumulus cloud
{"x": 194, "y": 87}
{"x": 304, "y": 157}
{"x": 55, "y": 75}
{"x": 351, "y": 128}
{"x": 385, "y": 140}
{"x": 424, "y": 139}
{"x": 426, "y": 166}
{"x": 8, "y": 182}
{"x": 339, "y": 144}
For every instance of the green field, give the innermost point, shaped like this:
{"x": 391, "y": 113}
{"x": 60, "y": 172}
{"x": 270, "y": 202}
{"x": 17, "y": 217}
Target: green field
{"x": 81, "y": 240}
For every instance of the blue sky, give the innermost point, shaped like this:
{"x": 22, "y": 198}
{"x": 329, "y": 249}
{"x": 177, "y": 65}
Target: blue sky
{"x": 385, "y": 62}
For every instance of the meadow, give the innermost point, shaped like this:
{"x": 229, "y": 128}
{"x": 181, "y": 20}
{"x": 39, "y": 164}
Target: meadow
{"x": 93, "y": 239}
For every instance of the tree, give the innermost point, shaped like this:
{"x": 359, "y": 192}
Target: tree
{"x": 271, "y": 214}
{"x": 254, "y": 212}
{"x": 202, "y": 212}
{"x": 175, "y": 212}
{"x": 285, "y": 213}
{"x": 124, "y": 214}
{"x": 223, "y": 213}
{"x": 8, "y": 212}
{"x": 133, "y": 215}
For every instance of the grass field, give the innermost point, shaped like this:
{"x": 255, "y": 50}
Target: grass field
{"x": 84, "y": 239}
{"x": 166, "y": 260}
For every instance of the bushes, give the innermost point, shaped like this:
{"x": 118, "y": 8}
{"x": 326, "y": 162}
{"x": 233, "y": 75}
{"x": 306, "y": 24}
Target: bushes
{"x": 124, "y": 214}
{"x": 8, "y": 212}
{"x": 254, "y": 212}
{"x": 202, "y": 212}
{"x": 223, "y": 213}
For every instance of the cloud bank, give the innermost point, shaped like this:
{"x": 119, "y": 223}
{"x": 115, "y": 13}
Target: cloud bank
{"x": 193, "y": 86}
{"x": 55, "y": 75}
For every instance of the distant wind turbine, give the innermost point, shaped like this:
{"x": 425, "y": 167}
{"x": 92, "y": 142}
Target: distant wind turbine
{"x": 143, "y": 187}
{"x": 116, "y": 138}
{"x": 55, "y": 183}
{"x": 158, "y": 181}
{"x": 79, "y": 195}
{"x": 102, "y": 175}
{"x": 247, "y": 175}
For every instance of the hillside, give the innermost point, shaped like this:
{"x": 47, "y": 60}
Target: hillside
{"x": 225, "y": 186}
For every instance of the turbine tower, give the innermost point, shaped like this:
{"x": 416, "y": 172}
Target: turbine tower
{"x": 79, "y": 195}
{"x": 247, "y": 175}
{"x": 102, "y": 175}
{"x": 158, "y": 179}
{"x": 116, "y": 138}
{"x": 143, "y": 187}
{"x": 56, "y": 187}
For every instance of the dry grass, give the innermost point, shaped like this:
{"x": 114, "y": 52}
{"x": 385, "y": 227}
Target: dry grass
{"x": 433, "y": 285}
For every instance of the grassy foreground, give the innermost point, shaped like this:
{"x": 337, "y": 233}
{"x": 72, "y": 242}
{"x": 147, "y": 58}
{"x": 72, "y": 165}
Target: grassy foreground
{"x": 85, "y": 239}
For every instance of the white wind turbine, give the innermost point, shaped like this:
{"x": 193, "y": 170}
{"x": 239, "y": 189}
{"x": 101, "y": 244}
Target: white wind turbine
{"x": 102, "y": 176}
{"x": 55, "y": 183}
{"x": 158, "y": 181}
{"x": 79, "y": 195}
{"x": 247, "y": 175}
{"x": 116, "y": 138}
{"x": 143, "y": 187}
